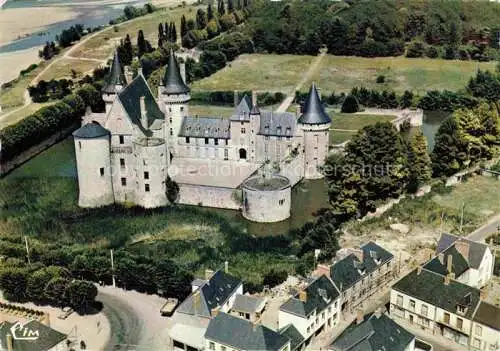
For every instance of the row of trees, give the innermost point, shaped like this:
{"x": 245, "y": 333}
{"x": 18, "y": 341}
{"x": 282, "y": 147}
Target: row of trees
{"x": 478, "y": 52}
{"x": 49, "y": 50}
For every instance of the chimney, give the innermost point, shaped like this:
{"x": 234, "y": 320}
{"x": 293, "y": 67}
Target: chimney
{"x": 419, "y": 270}
{"x": 482, "y": 294}
{"x": 46, "y": 319}
{"x": 378, "y": 312}
{"x": 128, "y": 74}
{"x": 182, "y": 67}
{"x": 254, "y": 98}
{"x": 235, "y": 98}
{"x": 463, "y": 247}
{"x": 323, "y": 269}
{"x": 441, "y": 257}
{"x": 359, "y": 316}
{"x": 298, "y": 110}
{"x": 88, "y": 111}
{"x": 215, "y": 311}
{"x": 449, "y": 263}
{"x": 447, "y": 279}
{"x": 144, "y": 114}
{"x": 208, "y": 274}
{"x": 10, "y": 346}
{"x": 196, "y": 301}
{"x": 358, "y": 253}
{"x": 226, "y": 267}
{"x": 303, "y": 296}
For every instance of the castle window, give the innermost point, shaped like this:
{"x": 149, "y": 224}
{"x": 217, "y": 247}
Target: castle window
{"x": 243, "y": 131}
{"x": 101, "y": 170}
{"x": 267, "y": 137}
{"x": 170, "y": 109}
{"x": 146, "y": 175}
{"x": 281, "y": 202}
{"x": 146, "y": 188}
{"x": 124, "y": 181}
{"x": 216, "y": 141}
{"x": 206, "y": 141}
{"x": 182, "y": 108}
{"x": 288, "y": 130}
{"x": 80, "y": 145}
{"x": 187, "y": 140}
{"x": 122, "y": 163}
{"x": 278, "y": 129}
{"x": 122, "y": 139}
{"x": 171, "y": 131}
{"x": 226, "y": 154}
{"x": 170, "y": 119}
{"x": 226, "y": 141}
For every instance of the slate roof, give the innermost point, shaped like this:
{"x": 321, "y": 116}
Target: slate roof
{"x": 243, "y": 335}
{"x": 476, "y": 250}
{"x": 458, "y": 263}
{"x": 205, "y": 127}
{"x": 488, "y": 315}
{"x": 429, "y": 287}
{"x": 320, "y": 293}
{"x": 296, "y": 339}
{"x": 172, "y": 80}
{"x": 116, "y": 76}
{"x": 130, "y": 99}
{"x": 277, "y": 123}
{"x": 373, "y": 334}
{"x": 242, "y": 111}
{"x": 314, "y": 112}
{"x": 213, "y": 293}
{"x": 248, "y": 304}
{"x": 46, "y": 337}
{"x": 91, "y": 130}
{"x": 346, "y": 272}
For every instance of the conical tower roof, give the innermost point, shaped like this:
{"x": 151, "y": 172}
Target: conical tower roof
{"x": 116, "y": 76}
{"x": 172, "y": 81}
{"x": 314, "y": 112}
{"x": 255, "y": 110}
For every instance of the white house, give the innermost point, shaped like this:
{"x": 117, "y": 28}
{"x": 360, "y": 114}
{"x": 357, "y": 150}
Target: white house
{"x": 312, "y": 310}
{"x": 486, "y": 328}
{"x": 229, "y": 333}
{"x": 209, "y": 297}
{"x": 437, "y": 304}
{"x": 468, "y": 261}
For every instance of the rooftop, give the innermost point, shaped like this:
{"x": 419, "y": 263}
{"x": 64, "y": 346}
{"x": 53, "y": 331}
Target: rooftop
{"x": 374, "y": 333}
{"x": 260, "y": 183}
{"x": 248, "y": 304}
{"x": 172, "y": 81}
{"x": 205, "y": 127}
{"x": 242, "y": 111}
{"x": 314, "y": 112}
{"x": 296, "y": 339}
{"x": 277, "y": 124}
{"x": 115, "y": 77}
{"x": 243, "y": 335}
{"x": 41, "y": 337}
{"x": 475, "y": 250}
{"x": 90, "y": 131}
{"x": 488, "y": 315}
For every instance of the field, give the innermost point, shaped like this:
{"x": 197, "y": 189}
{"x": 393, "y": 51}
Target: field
{"x": 63, "y": 69}
{"x": 339, "y": 73}
{"x": 14, "y": 96}
{"x": 20, "y": 114}
{"x": 348, "y": 124}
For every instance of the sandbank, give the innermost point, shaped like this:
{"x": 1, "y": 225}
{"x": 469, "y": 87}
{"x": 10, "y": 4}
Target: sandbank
{"x": 11, "y": 63}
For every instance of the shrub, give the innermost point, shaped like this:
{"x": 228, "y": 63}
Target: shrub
{"x": 415, "y": 49}
{"x": 432, "y": 52}
{"x": 274, "y": 278}
{"x": 350, "y": 104}
{"x": 380, "y": 79}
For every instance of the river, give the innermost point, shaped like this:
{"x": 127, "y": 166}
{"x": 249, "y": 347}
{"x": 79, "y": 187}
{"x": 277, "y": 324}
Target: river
{"x": 98, "y": 12}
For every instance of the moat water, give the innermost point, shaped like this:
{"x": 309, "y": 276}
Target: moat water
{"x": 307, "y": 197}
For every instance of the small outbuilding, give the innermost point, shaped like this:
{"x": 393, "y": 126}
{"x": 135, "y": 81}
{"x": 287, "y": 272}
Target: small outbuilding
{"x": 249, "y": 307}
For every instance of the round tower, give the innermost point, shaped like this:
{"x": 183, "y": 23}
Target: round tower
{"x": 315, "y": 125}
{"x": 174, "y": 96}
{"x": 93, "y": 162}
{"x": 114, "y": 83}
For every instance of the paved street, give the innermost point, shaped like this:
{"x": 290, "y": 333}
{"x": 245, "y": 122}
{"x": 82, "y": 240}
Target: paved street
{"x": 493, "y": 226}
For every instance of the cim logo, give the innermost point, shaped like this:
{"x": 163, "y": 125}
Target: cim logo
{"x": 19, "y": 332}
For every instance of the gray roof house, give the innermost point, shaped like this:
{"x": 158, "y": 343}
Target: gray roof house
{"x": 373, "y": 333}
{"x": 296, "y": 339}
{"x": 487, "y": 314}
{"x": 30, "y": 336}
{"x": 249, "y": 306}
{"x": 238, "y": 334}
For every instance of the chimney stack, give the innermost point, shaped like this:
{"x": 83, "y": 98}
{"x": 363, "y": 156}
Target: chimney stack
{"x": 215, "y": 311}
{"x": 182, "y": 67}
{"x": 10, "y": 346}
{"x": 196, "y": 301}
{"x": 298, "y": 110}
{"x": 359, "y": 316}
{"x": 419, "y": 269}
{"x": 441, "y": 258}
{"x": 359, "y": 254}
{"x": 144, "y": 113}
{"x": 46, "y": 319}
{"x": 303, "y": 296}
{"x": 254, "y": 98}
{"x": 447, "y": 279}
{"x": 379, "y": 312}
{"x": 226, "y": 267}
{"x": 449, "y": 263}
{"x": 463, "y": 248}
{"x": 236, "y": 98}
{"x": 208, "y": 274}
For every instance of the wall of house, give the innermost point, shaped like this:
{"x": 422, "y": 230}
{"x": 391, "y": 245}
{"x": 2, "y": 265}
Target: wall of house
{"x": 486, "y": 268}
{"x": 485, "y": 339}
{"x": 197, "y": 148}
{"x": 230, "y": 302}
{"x": 216, "y": 346}
{"x": 410, "y": 346}
{"x": 273, "y": 148}
{"x": 407, "y": 311}
{"x": 466, "y": 325}
{"x": 175, "y": 107}
{"x": 207, "y": 196}
{"x": 300, "y": 323}
{"x": 92, "y": 155}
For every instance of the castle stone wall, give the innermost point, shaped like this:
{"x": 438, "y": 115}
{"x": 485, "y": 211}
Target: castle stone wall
{"x": 316, "y": 141}
{"x": 208, "y": 196}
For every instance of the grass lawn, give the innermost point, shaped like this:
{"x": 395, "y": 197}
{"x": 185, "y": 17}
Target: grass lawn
{"x": 102, "y": 45}
{"x": 356, "y": 121}
{"x": 338, "y": 137}
{"x": 22, "y": 113}
{"x": 14, "y": 96}
{"x": 258, "y": 72}
{"x": 62, "y": 69}
{"x": 340, "y": 73}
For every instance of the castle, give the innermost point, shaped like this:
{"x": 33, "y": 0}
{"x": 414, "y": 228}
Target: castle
{"x": 249, "y": 161}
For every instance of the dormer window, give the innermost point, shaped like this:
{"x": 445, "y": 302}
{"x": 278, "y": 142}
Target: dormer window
{"x": 278, "y": 129}
{"x": 288, "y": 130}
{"x": 461, "y": 309}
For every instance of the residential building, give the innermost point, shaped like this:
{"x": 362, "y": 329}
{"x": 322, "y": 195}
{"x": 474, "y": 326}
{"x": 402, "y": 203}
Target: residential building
{"x": 248, "y": 307}
{"x": 374, "y": 332}
{"x": 32, "y": 336}
{"x": 296, "y": 339}
{"x": 486, "y": 328}
{"x": 359, "y": 273}
{"x": 229, "y": 333}
{"x": 214, "y": 295}
{"x": 468, "y": 261}
{"x": 313, "y": 309}
{"x": 438, "y": 304}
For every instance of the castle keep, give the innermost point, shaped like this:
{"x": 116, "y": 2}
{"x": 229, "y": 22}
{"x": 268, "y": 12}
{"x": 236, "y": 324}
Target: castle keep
{"x": 249, "y": 161}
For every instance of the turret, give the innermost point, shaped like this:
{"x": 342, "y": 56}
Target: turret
{"x": 114, "y": 83}
{"x": 93, "y": 162}
{"x": 315, "y": 124}
{"x": 174, "y": 97}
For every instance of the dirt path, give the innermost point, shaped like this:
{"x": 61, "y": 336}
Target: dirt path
{"x": 314, "y": 67}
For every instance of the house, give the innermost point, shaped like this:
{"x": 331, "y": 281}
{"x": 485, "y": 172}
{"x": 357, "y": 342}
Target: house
{"x": 229, "y": 333}
{"x": 359, "y": 273}
{"x": 248, "y": 307}
{"x": 296, "y": 339}
{"x": 191, "y": 319}
{"x": 32, "y": 336}
{"x": 486, "y": 327}
{"x": 375, "y": 331}
{"x": 468, "y": 261}
{"x": 437, "y": 304}
{"x": 313, "y": 309}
